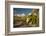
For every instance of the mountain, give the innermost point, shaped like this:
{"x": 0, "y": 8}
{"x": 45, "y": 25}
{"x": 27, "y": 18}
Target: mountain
{"x": 20, "y": 14}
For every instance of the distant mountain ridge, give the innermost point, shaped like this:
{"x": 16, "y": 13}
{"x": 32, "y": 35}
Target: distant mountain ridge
{"x": 20, "y": 14}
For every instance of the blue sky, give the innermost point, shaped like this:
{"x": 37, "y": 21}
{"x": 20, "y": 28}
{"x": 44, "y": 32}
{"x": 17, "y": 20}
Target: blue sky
{"x": 22, "y": 10}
